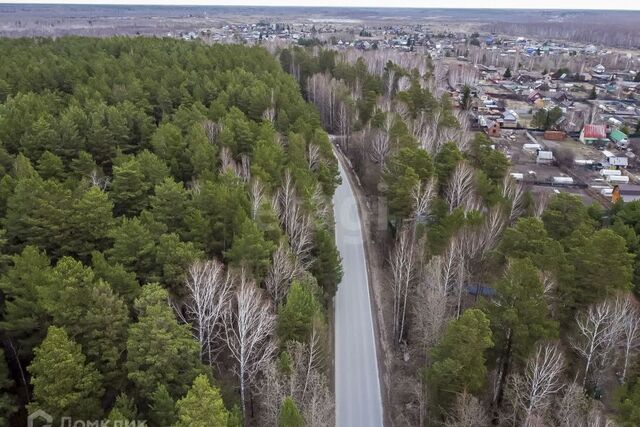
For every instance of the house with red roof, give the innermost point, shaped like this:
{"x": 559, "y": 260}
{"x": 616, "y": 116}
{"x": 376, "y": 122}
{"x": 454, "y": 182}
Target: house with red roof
{"x": 593, "y": 134}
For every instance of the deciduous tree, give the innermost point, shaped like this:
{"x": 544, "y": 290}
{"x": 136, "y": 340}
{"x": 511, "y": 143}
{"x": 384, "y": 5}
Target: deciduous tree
{"x": 249, "y": 326}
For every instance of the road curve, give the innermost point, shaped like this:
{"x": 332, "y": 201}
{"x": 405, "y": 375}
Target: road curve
{"x": 357, "y": 385}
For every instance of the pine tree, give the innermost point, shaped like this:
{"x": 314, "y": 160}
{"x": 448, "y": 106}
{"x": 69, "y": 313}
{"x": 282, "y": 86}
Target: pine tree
{"x": 268, "y": 162}
{"x": 458, "y": 361}
{"x": 564, "y": 214}
{"x": 159, "y": 351}
{"x": 465, "y": 102}
{"x": 603, "y": 267}
{"x": 92, "y": 315}
{"x": 37, "y": 214}
{"x": 250, "y": 250}
{"x": 24, "y": 319}
{"x": 289, "y": 414}
{"x": 169, "y": 145}
{"x": 122, "y": 281}
{"x": 519, "y": 316}
{"x": 162, "y": 409}
{"x": 507, "y": 73}
{"x": 7, "y": 405}
{"x": 63, "y": 383}
{"x": 124, "y": 410}
{"x": 50, "y": 166}
{"x": 90, "y": 221}
{"x": 202, "y": 406}
{"x": 129, "y": 189}
{"x": 134, "y": 248}
{"x": 169, "y": 205}
{"x": 172, "y": 259}
{"x": 326, "y": 266}
{"x": 296, "y": 316}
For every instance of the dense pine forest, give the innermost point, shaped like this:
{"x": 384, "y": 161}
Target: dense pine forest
{"x": 166, "y": 235}
{"x": 498, "y": 306}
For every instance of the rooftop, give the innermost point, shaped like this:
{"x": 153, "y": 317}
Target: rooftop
{"x": 595, "y": 131}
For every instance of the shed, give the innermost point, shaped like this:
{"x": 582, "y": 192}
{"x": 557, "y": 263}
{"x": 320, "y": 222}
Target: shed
{"x": 613, "y": 160}
{"x": 554, "y": 135}
{"x": 562, "y": 180}
{"x": 610, "y": 172}
{"x": 617, "y": 179}
{"x": 544, "y": 157}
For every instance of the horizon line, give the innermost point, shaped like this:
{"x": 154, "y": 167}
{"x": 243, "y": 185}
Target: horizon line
{"x": 273, "y": 6}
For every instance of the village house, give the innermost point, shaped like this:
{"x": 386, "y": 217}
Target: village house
{"x": 510, "y": 119}
{"x": 619, "y": 138}
{"x": 593, "y": 134}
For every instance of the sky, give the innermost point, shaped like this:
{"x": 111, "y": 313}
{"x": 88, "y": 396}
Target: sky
{"x": 507, "y": 4}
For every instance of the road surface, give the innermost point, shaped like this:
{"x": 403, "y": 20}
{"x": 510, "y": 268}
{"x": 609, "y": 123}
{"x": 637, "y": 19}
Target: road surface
{"x": 357, "y": 385}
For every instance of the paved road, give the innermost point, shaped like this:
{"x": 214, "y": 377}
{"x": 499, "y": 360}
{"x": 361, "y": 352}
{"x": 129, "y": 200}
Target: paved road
{"x": 357, "y": 383}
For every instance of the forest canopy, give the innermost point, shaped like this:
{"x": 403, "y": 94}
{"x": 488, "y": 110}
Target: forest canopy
{"x": 139, "y": 176}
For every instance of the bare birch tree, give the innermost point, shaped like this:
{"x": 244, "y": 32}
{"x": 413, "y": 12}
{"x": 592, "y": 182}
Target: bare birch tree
{"x": 344, "y": 124}
{"x": 598, "y": 331}
{"x": 272, "y": 392}
{"x": 572, "y": 407}
{"x": 305, "y": 383}
{"x": 270, "y": 113}
{"x": 423, "y": 196}
{"x": 256, "y": 195}
{"x": 296, "y": 223}
{"x": 284, "y": 268}
{"x": 630, "y": 317}
{"x": 313, "y": 157}
{"x": 227, "y": 164}
{"x": 459, "y": 190}
{"x": 380, "y": 147}
{"x": 431, "y": 305}
{"x": 243, "y": 169}
{"x": 533, "y": 392}
{"x": 212, "y": 130}
{"x": 99, "y": 180}
{"x": 468, "y": 412}
{"x": 209, "y": 291}
{"x": 321, "y": 204}
{"x": 514, "y": 192}
{"x": 540, "y": 204}
{"x": 403, "y": 258}
{"x": 249, "y": 327}
{"x": 381, "y": 139}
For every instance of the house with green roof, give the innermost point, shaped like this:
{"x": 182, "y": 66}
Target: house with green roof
{"x": 619, "y": 138}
